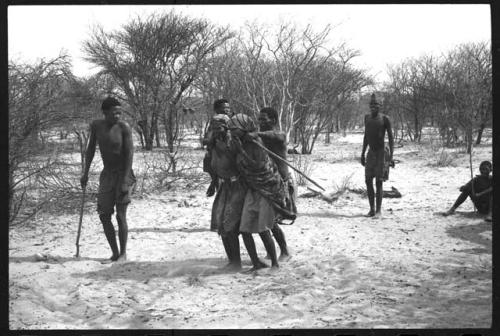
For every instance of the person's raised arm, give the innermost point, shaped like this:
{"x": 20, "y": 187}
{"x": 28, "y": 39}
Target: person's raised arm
{"x": 89, "y": 154}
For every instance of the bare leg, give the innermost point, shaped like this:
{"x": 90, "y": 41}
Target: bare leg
{"x": 378, "y": 197}
{"x": 109, "y": 231}
{"x": 489, "y": 217}
{"x": 234, "y": 247}
{"x": 270, "y": 248}
{"x": 371, "y": 196}
{"x": 121, "y": 218}
{"x": 461, "y": 198}
{"x": 227, "y": 248}
{"x": 280, "y": 239}
{"x": 252, "y": 252}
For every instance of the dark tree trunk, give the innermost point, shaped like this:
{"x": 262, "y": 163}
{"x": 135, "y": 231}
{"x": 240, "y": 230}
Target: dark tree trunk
{"x": 157, "y": 136}
{"x": 468, "y": 139}
{"x": 480, "y": 134}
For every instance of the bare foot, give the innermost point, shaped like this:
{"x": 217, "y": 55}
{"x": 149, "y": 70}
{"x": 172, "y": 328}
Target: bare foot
{"x": 122, "y": 258}
{"x": 113, "y": 258}
{"x": 377, "y": 215}
{"x": 284, "y": 257}
{"x": 371, "y": 213}
{"x": 259, "y": 266}
{"x": 232, "y": 267}
{"x": 449, "y": 212}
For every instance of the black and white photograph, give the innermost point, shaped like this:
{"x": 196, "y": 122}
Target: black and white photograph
{"x": 143, "y": 138}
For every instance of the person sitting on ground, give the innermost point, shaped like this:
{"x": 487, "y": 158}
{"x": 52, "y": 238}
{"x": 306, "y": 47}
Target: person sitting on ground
{"x": 479, "y": 189}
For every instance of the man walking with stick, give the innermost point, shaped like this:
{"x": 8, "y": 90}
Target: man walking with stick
{"x": 114, "y": 137}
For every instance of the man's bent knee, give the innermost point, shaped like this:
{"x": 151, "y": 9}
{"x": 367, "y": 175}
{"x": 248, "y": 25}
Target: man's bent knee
{"x": 105, "y": 218}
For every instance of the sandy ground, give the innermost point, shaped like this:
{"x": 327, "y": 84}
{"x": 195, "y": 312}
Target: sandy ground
{"x": 410, "y": 269}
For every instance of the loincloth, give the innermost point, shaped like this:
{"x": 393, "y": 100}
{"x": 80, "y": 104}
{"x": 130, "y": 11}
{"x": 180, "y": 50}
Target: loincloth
{"x": 377, "y": 164}
{"x": 110, "y": 193}
{"x": 228, "y": 205}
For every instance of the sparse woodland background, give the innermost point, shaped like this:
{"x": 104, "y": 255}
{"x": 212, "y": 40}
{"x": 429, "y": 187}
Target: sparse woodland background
{"x": 167, "y": 69}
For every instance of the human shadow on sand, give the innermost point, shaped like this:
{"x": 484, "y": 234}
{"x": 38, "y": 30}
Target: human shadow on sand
{"x": 167, "y": 230}
{"x": 145, "y": 270}
{"x": 472, "y": 233}
{"x": 51, "y": 259}
{"x": 329, "y": 214}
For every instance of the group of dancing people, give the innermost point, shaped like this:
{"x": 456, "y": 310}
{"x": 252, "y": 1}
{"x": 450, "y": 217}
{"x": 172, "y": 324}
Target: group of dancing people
{"x": 254, "y": 190}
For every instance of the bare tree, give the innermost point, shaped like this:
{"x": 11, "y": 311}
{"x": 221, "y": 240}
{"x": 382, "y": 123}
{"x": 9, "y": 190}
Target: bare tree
{"x": 154, "y": 61}
{"x": 465, "y": 89}
{"x": 410, "y": 83}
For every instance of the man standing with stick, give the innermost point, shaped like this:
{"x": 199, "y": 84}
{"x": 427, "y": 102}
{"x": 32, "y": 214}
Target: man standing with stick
{"x": 114, "y": 137}
{"x": 379, "y": 158}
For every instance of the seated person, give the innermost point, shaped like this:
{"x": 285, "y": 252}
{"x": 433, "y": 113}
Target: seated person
{"x": 479, "y": 189}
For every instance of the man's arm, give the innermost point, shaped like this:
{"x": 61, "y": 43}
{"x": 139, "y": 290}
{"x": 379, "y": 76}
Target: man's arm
{"x": 484, "y": 192}
{"x": 365, "y": 144}
{"x": 128, "y": 153}
{"x": 277, "y": 136}
{"x": 389, "y": 135}
{"x": 89, "y": 154}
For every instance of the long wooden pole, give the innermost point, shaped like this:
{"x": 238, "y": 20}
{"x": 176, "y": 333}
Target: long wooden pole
{"x": 288, "y": 164}
{"x": 80, "y": 223}
{"x": 471, "y": 172}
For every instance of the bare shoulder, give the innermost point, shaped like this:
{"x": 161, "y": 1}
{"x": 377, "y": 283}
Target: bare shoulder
{"x": 124, "y": 126}
{"x": 97, "y": 124}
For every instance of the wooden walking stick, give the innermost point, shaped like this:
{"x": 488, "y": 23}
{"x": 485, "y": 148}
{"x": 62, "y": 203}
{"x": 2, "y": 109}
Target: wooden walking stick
{"x": 80, "y": 224}
{"x": 288, "y": 164}
{"x": 471, "y": 174}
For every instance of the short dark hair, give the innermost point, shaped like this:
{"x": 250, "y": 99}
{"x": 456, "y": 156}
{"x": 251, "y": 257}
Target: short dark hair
{"x": 373, "y": 100}
{"x": 272, "y": 113}
{"x": 219, "y": 102}
{"x": 485, "y": 163}
{"x": 109, "y": 102}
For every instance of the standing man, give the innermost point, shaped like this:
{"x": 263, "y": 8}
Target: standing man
{"x": 379, "y": 157}
{"x": 221, "y": 109}
{"x": 231, "y": 190}
{"x": 114, "y": 137}
{"x": 275, "y": 141}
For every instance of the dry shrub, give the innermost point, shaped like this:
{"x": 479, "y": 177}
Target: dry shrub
{"x": 155, "y": 172}
{"x": 344, "y": 184}
{"x": 305, "y": 164}
{"x": 48, "y": 182}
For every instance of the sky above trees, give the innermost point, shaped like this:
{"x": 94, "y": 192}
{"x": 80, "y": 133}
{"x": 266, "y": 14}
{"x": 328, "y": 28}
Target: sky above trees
{"x": 384, "y": 34}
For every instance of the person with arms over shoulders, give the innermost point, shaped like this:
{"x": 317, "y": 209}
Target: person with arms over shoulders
{"x": 379, "y": 157}
{"x": 479, "y": 189}
{"x": 114, "y": 137}
{"x": 275, "y": 141}
{"x": 266, "y": 193}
